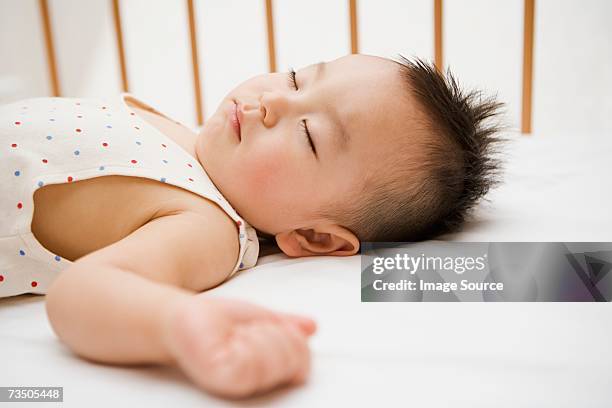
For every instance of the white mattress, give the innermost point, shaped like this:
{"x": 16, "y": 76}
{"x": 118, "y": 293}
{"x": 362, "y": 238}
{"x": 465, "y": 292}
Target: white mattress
{"x": 390, "y": 354}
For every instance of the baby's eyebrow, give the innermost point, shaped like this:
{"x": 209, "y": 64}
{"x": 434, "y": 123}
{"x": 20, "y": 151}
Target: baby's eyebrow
{"x": 320, "y": 70}
{"x": 342, "y": 138}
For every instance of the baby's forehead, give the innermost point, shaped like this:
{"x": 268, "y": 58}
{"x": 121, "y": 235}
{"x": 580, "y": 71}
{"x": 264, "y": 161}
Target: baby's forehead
{"x": 374, "y": 81}
{"x": 378, "y": 102}
{"x": 365, "y": 59}
{"x": 389, "y": 140}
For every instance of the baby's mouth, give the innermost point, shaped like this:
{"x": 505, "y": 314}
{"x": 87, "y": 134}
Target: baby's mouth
{"x": 235, "y": 119}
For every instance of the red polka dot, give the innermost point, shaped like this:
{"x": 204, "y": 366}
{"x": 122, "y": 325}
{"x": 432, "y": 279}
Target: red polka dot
{"x": 14, "y": 145}
{"x": 1, "y": 278}
{"x": 69, "y": 179}
{"x": 78, "y": 130}
{"x": 18, "y": 123}
{"x": 238, "y": 223}
{"x": 189, "y": 164}
{"x": 105, "y": 144}
{"x": 134, "y": 161}
{"x": 19, "y": 205}
{"x": 34, "y": 284}
{"x": 164, "y": 145}
{"x": 44, "y": 160}
{"x": 190, "y": 179}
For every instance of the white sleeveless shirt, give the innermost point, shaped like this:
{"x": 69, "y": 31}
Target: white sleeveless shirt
{"x": 52, "y": 140}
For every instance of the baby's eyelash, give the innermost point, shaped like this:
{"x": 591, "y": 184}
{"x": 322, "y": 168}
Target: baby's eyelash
{"x": 307, "y": 133}
{"x": 293, "y": 84}
{"x": 292, "y": 81}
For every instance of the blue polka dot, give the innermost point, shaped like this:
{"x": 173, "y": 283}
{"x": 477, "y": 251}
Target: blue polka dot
{"x": 40, "y": 184}
{"x": 163, "y": 179}
{"x": 241, "y": 235}
{"x": 17, "y": 173}
{"x": 101, "y": 168}
{"x": 109, "y": 126}
{"x": 49, "y": 137}
{"x": 76, "y": 152}
{"x": 21, "y": 252}
{"x": 57, "y": 258}
{"x": 108, "y": 114}
{"x": 51, "y": 120}
{"x": 138, "y": 143}
{"x": 165, "y": 161}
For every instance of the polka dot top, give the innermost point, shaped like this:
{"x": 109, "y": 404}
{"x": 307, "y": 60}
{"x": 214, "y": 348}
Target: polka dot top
{"x": 53, "y": 140}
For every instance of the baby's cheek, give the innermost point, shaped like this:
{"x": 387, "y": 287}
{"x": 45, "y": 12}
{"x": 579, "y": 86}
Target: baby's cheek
{"x": 266, "y": 170}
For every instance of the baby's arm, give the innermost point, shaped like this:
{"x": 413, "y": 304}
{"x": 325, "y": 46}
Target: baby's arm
{"x": 135, "y": 302}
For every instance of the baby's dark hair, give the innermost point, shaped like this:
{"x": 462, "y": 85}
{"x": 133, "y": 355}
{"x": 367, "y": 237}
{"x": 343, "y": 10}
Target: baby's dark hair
{"x": 432, "y": 193}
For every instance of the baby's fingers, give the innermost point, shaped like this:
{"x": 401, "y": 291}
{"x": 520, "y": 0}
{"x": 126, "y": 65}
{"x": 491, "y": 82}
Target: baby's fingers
{"x": 300, "y": 344}
{"x": 307, "y": 325}
{"x": 279, "y": 353}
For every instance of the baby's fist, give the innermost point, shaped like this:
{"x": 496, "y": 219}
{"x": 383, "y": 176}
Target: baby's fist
{"x": 237, "y": 349}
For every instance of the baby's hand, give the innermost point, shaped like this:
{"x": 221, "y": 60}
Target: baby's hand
{"x": 236, "y": 349}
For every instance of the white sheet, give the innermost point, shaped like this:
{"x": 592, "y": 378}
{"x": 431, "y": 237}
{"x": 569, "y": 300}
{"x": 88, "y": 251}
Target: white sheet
{"x": 408, "y": 354}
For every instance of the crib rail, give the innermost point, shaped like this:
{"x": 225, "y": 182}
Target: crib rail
{"x": 527, "y": 73}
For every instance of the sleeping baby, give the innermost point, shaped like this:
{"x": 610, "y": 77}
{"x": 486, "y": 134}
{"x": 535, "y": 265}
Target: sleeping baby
{"x": 122, "y": 216}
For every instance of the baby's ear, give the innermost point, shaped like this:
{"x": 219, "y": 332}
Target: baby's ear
{"x": 329, "y": 239}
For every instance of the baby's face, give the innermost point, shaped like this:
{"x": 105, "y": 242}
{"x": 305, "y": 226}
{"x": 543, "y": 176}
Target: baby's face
{"x": 355, "y": 109}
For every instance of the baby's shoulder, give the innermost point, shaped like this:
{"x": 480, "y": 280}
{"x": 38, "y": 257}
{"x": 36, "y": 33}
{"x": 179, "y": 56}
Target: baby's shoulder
{"x": 186, "y": 201}
{"x": 200, "y": 236}
{"x": 213, "y": 220}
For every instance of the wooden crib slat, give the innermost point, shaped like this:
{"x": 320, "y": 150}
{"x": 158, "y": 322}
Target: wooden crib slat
{"x": 120, "y": 49}
{"x": 438, "y": 56}
{"x": 196, "y": 66}
{"x": 527, "y": 66}
{"x": 270, "y": 29}
{"x": 51, "y": 61}
{"x": 353, "y": 26}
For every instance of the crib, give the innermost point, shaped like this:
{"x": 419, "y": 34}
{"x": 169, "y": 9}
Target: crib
{"x": 548, "y": 60}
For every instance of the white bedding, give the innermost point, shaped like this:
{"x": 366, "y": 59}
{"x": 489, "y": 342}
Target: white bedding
{"x": 392, "y": 354}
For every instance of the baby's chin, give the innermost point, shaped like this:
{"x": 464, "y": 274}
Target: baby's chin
{"x": 211, "y": 125}
{"x": 218, "y": 118}
{"x": 204, "y": 148}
